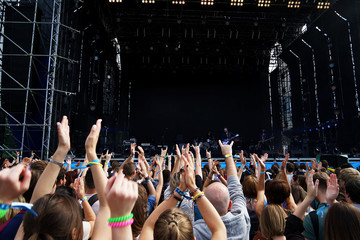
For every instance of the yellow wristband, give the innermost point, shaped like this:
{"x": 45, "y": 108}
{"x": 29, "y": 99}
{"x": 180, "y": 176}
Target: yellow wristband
{"x": 198, "y": 194}
{"x": 228, "y": 155}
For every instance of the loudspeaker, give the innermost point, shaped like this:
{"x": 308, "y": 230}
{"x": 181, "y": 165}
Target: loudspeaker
{"x": 334, "y": 160}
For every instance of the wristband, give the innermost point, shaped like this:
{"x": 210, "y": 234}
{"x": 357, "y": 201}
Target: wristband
{"x": 55, "y": 162}
{"x": 228, "y": 155}
{"x": 262, "y": 172}
{"x": 178, "y": 191}
{"x": 193, "y": 192}
{"x": 94, "y": 163}
{"x": 242, "y": 167}
{"x": 148, "y": 180}
{"x": 121, "y": 224}
{"x": 3, "y": 212}
{"x": 219, "y": 175}
{"x": 177, "y": 198}
{"x": 84, "y": 198}
{"x": 134, "y": 158}
{"x": 197, "y": 196}
{"x": 121, "y": 219}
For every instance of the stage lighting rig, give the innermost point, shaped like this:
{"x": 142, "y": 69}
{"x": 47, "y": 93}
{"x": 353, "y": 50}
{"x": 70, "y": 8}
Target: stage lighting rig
{"x": 207, "y": 2}
{"x": 176, "y": 2}
{"x": 323, "y": 5}
{"x": 237, "y": 3}
{"x": 294, "y": 4}
{"x": 264, "y": 3}
{"x": 148, "y": 1}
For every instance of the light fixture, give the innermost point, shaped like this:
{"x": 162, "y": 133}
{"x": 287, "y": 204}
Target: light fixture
{"x": 115, "y": 1}
{"x": 177, "y": 2}
{"x": 207, "y": 2}
{"x": 237, "y": 3}
{"x": 264, "y": 3}
{"x": 323, "y": 5}
{"x": 294, "y": 4}
{"x": 148, "y": 1}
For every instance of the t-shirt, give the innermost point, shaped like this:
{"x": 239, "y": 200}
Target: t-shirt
{"x": 309, "y": 230}
{"x": 12, "y": 226}
{"x": 294, "y": 228}
{"x": 237, "y": 221}
{"x": 86, "y": 230}
{"x": 151, "y": 203}
{"x": 96, "y": 204}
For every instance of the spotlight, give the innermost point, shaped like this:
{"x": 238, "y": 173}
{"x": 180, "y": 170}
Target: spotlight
{"x": 148, "y": 1}
{"x": 264, "y": 3}
{"x": 115, "y": 1}
{"x": 294, "y": 4}
{"x": 181, "y": 2}
{"x": 237, "y": 3}
{"x": 323, "y": 5}
{"x": 207, "y": 2}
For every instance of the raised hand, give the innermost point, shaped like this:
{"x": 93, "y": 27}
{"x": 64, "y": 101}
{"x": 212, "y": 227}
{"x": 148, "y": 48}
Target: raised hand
{"x": 314, "y": 164}
{"x": 208, "y": 154}
{"x": 332, "y": 190}
{"x": 312, "y": 189}
{"x": 163, "y": 152}
{"x": 196, "y": 148}
{"x": 80, "y": 188}
{"x": 283, "y": 164}
{"x": 64, "y": 135}
{"x": 226, "y": 149}
{"x": 132, "y": 149}
{"x": 242, "y": 158}
{"x": 121, "y": 195}
{"x": 107, "y": 156}
{"x": 261, "y": 163}
{"x": 11, "y": 186}
{"x": 214, "y": 170}
{"x": 92, "y": 139}
{"x": 189, "y": 172}
{"x": 264, "y": 157}
{"x": 141, "y": 150}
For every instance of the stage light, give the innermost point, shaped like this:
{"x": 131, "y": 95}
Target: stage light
{"x": 264, "y": 3}
{"x": 323, "y": 5}
{"x": 207, "y": 2}
{"x": 237, "y": 3}
{"x": 148, "y": 1}
{"x": 181, "y": 2}
{"x": 294, "y": 4}
{"x": 115, "y": 1}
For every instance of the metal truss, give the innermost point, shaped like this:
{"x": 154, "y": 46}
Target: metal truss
{"x": 48, "y": 92}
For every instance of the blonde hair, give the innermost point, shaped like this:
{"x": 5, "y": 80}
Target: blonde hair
{"x": 272, "y": 221}
{"x": 173, "y": 224}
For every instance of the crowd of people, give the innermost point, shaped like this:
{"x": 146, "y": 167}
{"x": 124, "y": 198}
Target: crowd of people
{"x": 177, "y": 198}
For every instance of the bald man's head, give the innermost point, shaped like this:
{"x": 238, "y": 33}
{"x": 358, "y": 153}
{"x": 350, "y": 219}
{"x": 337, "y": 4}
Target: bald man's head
{"x": 218, "y": 195}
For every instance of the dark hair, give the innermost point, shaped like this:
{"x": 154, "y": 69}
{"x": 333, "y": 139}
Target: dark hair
{"x": 353, "y": 189}
{"x": 290, "y": 167}
{"x": 166, "y": 176}
{"x": 342, "y": 222}
{"x": 325, "y": 163}
{"x": 37, "y": 169}
{"x": 275, "y": 168}
{"x": 115, "y": 164}
{"x": 129, "y": 169}
{"x": 296, "y": 165}
{"x": 298, "y": 193}
{"x": 61, "y": 175}
{"x": 58, "y": 216}
{"x": 277, "y": 191}
{"x": 66, "y": 190}
{"x": 89, "y": 181}
{"x": 249, "y": 187}
{"x": 140, "y": 211}
{"x": 70, "y": 177}
{"x": 346, "y": 165}
{"x": 303, "y": 166}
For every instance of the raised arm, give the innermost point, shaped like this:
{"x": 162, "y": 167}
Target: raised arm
{"x": 177, "y": 164}
{"x": 208, "y": 156}
{"x": 291, "y": 205}
{"x": 332, "y": 190}
{"x": 260, "y": 189}
{"x": 101, "y": 229}
{"x": 131, "y": 157}
{"x": 242, "y": 164}
{"x": 48, "y": 178}
{"x": 198, "y": 167}
{"x": 107, "y": 160}
{"x": 312, "y": 190}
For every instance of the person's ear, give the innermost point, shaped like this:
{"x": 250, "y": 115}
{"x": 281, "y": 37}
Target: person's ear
{"x": 230, "y": 205}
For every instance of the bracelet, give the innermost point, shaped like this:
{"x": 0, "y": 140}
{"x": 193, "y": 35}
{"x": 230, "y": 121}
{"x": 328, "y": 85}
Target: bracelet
{"x": 177, "y": 198}
{"x": 262, "y": 172}
{"x": 197, "y": 196}
{"x": 242, "y": 167}
{"x": 148, "y": 180}
{"x": 120, "y": 219}
{"x": 94, "y": 163}
{"x": 219, "y": 175}
{"x": 121, "y": 224}
{"x": 193, "y": 192}
{"x": 228, "y": 155}
{"x": 84, "y": 198}
{"x": 178, "y": 191}
{"x": 57, "y": 163}
{"x": 3, "y": 209}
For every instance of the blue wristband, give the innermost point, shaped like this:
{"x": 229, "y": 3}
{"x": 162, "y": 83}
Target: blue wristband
{"x": 262, "y": 172}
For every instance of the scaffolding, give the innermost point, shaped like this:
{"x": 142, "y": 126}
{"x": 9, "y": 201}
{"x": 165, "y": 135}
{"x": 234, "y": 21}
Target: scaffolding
{"x": 45, "y": 93}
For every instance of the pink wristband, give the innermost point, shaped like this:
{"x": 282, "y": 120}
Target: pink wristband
{"x": 122, "y": 224}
